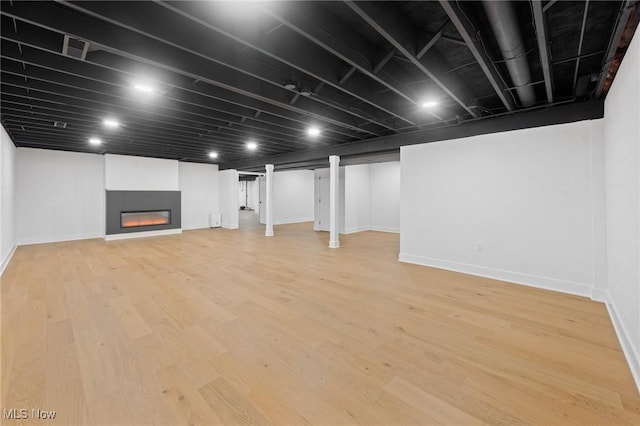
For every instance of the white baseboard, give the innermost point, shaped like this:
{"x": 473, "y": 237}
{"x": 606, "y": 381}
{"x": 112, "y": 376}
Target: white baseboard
{"x": 7, "y": 259}
{"x": 633, "y": 358}
{"x": 384, "y": 229}
{"x": 142, "y": 234}
{"x": 498, "y": 274}
{"x": 194, "y": 227}
{"x": 370, "y": 228}
{"x": 59, "y": 239}
{"x": 290, "y": 221}
{"x": 356, "y": 229}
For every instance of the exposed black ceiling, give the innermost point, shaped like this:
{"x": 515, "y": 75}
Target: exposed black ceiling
{"x": 360, "y": 71}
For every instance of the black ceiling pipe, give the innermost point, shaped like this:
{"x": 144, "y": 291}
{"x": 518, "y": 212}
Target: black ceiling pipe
{"x": 504, "y": 23}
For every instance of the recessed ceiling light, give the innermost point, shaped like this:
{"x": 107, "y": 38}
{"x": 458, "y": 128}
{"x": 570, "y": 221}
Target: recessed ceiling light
{"x": 213, "y": 154}
{"x": 144, "y": 88}
{"x": 95, "y": 141}
{"x": 429, "y": 104}
{"x": 111, "y": 123}
{"x": 252, "y": 146}
{"x": 313, "y": 131}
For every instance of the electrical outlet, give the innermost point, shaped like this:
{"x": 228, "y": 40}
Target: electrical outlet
{"x": 480, "y": 247}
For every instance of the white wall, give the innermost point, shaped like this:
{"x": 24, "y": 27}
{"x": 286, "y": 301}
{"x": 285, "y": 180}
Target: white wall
{"x": 357, "y": 200}
{"x": 199, "y": 190}
{"x": 369, "y": 198}
{"x": 60, "y": 196}
{"x": 7, "y": 198}
{"x": 622, "y": 180}
{"x": 228, "y": 198}
{"x": 262, "y": 196}
{"x": 517, "y": 206}
{"x": 321, "y": 200}
{"x": 385, "y": 196}
{"x": 293, "y": 196}
{"x": 128, "y": 173}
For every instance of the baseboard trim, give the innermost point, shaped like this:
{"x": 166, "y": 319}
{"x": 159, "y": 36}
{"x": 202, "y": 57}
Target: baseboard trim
{"x": 536, "y": 281}
{"x": 194, "y": 227}
{"x": 75, "y": 237}
{"x": 290, "y": 221}
{"x": 7, "y": 259}
{"x": 356, "y": 229}
{"x": 370, "y": 228}
{"x": 142, "y": 234}
{"x": 633, "y": 359}
{"x": 385, "y": 229}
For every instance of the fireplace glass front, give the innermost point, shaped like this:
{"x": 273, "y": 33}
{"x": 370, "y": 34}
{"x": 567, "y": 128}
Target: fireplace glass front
{"x": 145, "y": 218}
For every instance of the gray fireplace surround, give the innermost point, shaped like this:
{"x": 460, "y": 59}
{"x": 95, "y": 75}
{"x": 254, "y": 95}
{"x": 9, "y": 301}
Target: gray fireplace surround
{"x": 142, "y": 201}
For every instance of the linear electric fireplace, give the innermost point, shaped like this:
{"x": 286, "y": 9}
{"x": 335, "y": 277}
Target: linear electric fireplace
{"x": 145, "y": 218}
{"x": 142, "y": 213}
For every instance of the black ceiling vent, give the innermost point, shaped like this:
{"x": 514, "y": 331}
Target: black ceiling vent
{"x": 75, "y": 48}
{"x": 59, "y": 124}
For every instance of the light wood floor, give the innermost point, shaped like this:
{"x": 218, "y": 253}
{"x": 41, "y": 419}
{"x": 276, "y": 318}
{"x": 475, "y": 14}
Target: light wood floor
{"x": 229, "y": 327}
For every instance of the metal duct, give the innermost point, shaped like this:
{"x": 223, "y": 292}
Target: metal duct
{"x": 503, "y": 21}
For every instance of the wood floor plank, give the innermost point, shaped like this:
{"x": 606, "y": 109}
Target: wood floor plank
{"x": 257, "y": 392}
{"x": 185, "y": 401}
{"x": 67, "y": 396}
{"x": 232, "y": 406}
{"x": 430, "y": 404}
{"x": 220, "y": 326}
{"x": 131, "y": 320}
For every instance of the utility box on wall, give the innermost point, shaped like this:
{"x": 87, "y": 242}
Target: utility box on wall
{"x": 215, "y": 220}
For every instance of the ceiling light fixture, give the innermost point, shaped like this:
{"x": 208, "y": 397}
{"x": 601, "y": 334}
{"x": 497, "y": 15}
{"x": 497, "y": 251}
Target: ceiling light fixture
{"x": 305, "y": 91}
{"x": 290, "y": 85}
{"x": 429, "y": 104}
{"x": 213, "y": 154}
{"x": 252, "y": 146}
{"x": 313, "y": 131}
{"x": 144, "y": 88}
{"x": 95, "y": 141}
{"x": 111, "y": 123}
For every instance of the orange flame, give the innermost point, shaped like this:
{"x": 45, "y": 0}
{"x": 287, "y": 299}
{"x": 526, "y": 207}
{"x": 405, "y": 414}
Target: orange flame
{"x": 145, "y": 220}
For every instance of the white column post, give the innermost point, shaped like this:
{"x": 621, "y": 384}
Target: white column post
{"x": 269, "y": 201}
{"x": 334, "y": 188}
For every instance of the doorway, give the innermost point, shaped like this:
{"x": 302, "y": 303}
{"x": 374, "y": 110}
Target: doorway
{"x": 249, "y": 201}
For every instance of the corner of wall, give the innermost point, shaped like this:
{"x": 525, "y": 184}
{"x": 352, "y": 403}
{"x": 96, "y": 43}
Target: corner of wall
{"x": 8, "y": 237}
{"x": 7, "y": 258}
{"x": 633, "y": 358}
{"x": 622, "y": 184}
{"x": 600, "y": 295}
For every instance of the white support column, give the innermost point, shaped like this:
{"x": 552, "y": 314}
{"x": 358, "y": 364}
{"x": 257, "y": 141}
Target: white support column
{"x": 334, "y": 188}
{"x": 269, "y": 201}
